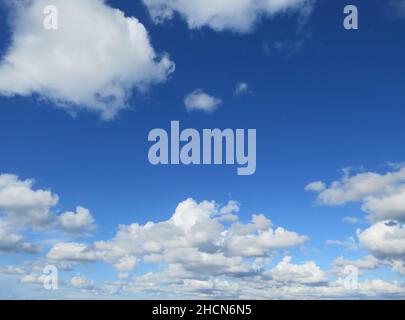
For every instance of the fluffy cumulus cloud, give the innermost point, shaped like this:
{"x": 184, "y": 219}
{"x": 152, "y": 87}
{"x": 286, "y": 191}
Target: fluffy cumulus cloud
{"x": 11, "y": 241}
{"x": 203, "y": 255}
{"x": 80, "y": 222}
{"x": 198, "y": 100}
{"x": 257, "y": 238}
{"x": 24, "y": 206}
{"x": 73, "y": 252}
{"x": 381, "y": 195}
{"x": 307, "y": 273}
{"x": 235, "y": 15}
{"x": 195, "y": 239}
{"x": 26, "y": 209}
{"x": 126, "y": 264}
{"x": 93, "y": 61}
{"x": 385, "y": 240}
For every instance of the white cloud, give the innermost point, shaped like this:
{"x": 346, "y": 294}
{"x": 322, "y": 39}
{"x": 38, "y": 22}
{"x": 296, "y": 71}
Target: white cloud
{"x": 76, "y": 252}
{"x": 360, "y": 186}
{"x": 33, "y": 278}
{"x": 200, "y": 225}
{"x": 199, "y": 263}
{"x": 385, "y": 240}
{"x": 398, "y": 266}
{"x": 24, "y": 209}
{"x": 24, "y": 206}
{"x": 80, "y": 222}
{"x": 260, "y": 242}
{"x": 285, "y": 271}
{"x": 12, "y": 241}
{"x": 236, "y": 15}
{"x": 389, "y": 206}
{"x": 196, "y": 239}
{"x": 231, "y": 207}
{"x": 375, "y": 287}
{"x": 351, "y": 220}
{"x": 350, "y": 243}
{"x": 285, "y": 281}
{"x": 201, "y": 255}
{"x": 126, "y": 264}
{"x": 12, "y": 270}
{"x": 381, "y": 195}
{"x": 365, "y": 264}
{"x": 80, "y": 281}
{"x": 198, "y": 100}
{"x": 92, "y": 62}
{"x": 317, "y": 186}
{"x": 241, "y": 88}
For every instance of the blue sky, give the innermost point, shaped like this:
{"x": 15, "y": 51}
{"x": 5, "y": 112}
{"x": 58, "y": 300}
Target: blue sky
{"x": 321, "y": 98}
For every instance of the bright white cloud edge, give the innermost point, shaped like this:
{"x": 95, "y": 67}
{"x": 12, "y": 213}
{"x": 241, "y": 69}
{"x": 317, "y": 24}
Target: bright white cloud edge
{"x": 93, "y": 62}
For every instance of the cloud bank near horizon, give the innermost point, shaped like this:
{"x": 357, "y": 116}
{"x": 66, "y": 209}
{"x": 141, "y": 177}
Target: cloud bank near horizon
{"x": 203, "y": 250}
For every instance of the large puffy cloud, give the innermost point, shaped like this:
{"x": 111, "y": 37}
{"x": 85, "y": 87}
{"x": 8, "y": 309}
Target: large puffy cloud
{"x": 381, "y": 195}
{"x": 384, "y": 239}
{"x": 200, "y": 243}
{"x": 92, "y": 61}
{"x": 198, "y": 239}
{"x": 236, "y": 15}
{"x": 388, "y": 206}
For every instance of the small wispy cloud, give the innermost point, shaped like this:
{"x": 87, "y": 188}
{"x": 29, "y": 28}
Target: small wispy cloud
{"x": 241, "y": 88}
